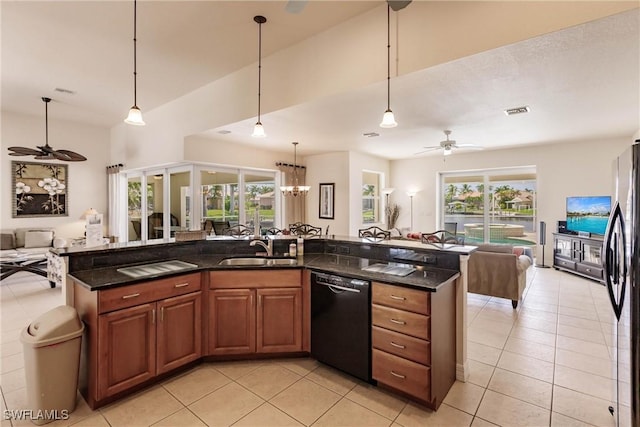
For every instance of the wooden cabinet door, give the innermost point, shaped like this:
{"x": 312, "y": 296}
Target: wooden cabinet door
{"x": 126, "y": 348}
{"x": 232, "y": 321}
{"x": 279, "y": 323}
{"x": 179, "y": 332}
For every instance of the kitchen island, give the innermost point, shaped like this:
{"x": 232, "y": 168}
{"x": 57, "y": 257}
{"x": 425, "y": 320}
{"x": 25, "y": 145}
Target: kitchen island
{"x": 145, "y": 322}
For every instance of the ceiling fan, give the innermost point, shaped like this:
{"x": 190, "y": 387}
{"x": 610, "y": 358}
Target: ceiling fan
{"x": 448, "y": 145}
{"x": 45, "y": 152}
{"x": 296, "y": 6}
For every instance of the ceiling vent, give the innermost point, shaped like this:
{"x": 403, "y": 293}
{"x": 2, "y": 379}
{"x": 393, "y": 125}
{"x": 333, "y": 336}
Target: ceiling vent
{"x": 65, "y": 91}
{"x": 224, "y": 132}
{"x": 517, "y": 110}
{"x": 371, "y": 134}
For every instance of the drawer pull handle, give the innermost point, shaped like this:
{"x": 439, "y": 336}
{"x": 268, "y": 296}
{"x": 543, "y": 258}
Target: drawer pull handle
{"x": 182, "y": 285}
{"x": 398, "y": 375}
{"x": 130, "y": 296}
{"x": 397, "y": 345}
{"x": 399, "y": 322}
{"x": 397, "y": 297}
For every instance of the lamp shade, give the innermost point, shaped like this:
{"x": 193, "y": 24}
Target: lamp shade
{"x": 134, "y": 117}
{"x": 88, "y": 212}
{"x": 388, "y": 120}
{"x": 258, "y": 131}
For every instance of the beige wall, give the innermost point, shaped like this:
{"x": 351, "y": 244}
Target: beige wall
{"x": 87, "y": 181}
{"x": 563, "y": 169}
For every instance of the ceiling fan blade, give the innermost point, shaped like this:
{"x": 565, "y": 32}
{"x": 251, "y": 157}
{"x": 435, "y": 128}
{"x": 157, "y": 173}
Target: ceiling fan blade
{"x": 72, "y": 156}
{"x": 60, "y": 155}
{"x": 396, "y": 5}
{"x": 469, "y": 146}
{"x": 24, "y": 151}
{"x": 427, "y": 149}
{"x": 295, "y": 6}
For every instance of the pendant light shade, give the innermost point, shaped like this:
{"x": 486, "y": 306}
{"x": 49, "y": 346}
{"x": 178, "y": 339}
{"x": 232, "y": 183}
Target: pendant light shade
{"x": 295, "y": 189}
{"x": 258, "y": 130}
{"x": 388, "y": 120}
{"x": 135, "y": 115}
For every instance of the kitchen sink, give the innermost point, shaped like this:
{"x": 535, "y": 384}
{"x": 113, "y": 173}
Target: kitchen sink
{"x": 249, "y": 261}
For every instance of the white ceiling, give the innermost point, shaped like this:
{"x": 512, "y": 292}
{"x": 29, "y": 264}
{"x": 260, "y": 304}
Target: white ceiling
{"x": 580, "y": 83}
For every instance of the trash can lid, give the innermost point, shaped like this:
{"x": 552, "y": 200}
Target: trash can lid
{"x": 58, "y": 322}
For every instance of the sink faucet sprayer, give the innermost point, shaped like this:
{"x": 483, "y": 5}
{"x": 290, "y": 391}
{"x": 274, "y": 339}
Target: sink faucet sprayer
{"x": 268, "y": 246}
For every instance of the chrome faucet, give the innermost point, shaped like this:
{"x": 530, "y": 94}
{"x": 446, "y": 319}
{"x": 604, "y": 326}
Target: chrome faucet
{"x": 268, "y": 246}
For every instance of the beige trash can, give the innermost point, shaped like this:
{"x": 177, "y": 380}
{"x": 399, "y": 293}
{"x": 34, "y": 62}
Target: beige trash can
{"x": 51, "y": 345}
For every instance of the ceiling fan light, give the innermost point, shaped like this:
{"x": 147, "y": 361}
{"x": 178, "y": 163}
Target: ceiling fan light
{"x": 447, "y": 151}
{"x": 258, "y": 131}
{"x": 135, "y": 117}
{"x": 388, "y": 120}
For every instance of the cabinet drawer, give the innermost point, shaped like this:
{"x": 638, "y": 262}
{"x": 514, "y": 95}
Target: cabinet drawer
{"x": 283, "y": 278}
{"x": 404, "y": 375}
{"x": 401, "y": 321}
{"x": 402, "y": 298}
{"x": 401, "y": 345}
{"x": 559, "y": 262}
{"x": 591, "y": 271}
{"x": 131, "y": 295}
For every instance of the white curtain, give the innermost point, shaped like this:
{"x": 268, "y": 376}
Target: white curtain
{"x": 114, "y": 202}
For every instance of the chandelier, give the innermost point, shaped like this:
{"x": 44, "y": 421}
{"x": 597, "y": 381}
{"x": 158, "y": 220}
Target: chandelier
{"x": 295, "y": 189}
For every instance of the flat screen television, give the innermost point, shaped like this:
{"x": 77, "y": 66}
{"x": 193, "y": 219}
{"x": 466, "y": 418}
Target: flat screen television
{"x": 588, "y": 213}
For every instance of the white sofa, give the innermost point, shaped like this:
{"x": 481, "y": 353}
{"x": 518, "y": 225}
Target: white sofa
{"x": 27, "y": 249}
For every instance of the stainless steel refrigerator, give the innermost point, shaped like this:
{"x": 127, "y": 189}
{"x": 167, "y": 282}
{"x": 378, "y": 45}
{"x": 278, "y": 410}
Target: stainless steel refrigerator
{"x": 622, "y": 276}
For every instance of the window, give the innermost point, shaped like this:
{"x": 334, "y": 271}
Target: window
{"x": 495, "y": 206}
{"x": 371, "y": 185}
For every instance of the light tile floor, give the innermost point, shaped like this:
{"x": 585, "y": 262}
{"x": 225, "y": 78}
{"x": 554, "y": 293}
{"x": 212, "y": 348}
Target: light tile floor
{"x": 548, "y": 363}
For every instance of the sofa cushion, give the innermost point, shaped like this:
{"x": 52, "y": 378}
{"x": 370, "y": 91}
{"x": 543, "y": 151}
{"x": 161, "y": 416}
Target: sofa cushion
{"x": 503, "y": 249}
{"x": 7, "y": 241}
{"x": 20, "y": 234}
{"x": 38, "y": 239}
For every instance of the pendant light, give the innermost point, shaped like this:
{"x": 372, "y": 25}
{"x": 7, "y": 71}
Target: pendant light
{"x": 258, "y": 130}
{"x": 295, "y": 189}
{"x": 388, "y": 120}
{"x": 135, "y": 115}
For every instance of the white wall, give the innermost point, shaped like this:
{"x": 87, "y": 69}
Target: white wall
{"x": 563, "y": 169}
{"x": 328, "y": 168}
{"x": 87, "y": 181}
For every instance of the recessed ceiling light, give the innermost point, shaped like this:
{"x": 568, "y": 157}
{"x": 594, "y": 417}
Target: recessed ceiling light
{"x": 63, "y": 90}
{"x": 517, "y": 110}
{"x": 371, "y": 134}
{"x": 224, "y": 132}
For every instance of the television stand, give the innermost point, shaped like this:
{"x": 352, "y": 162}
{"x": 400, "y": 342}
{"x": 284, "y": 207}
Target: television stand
{"x": 579, "y": 255}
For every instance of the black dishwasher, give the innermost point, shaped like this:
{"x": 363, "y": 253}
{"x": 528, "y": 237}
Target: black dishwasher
{"x": 340, "y": 323}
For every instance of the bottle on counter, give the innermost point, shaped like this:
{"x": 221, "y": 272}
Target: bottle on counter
{"x": 300, "y": 246}
{"x": 292, "y": 249}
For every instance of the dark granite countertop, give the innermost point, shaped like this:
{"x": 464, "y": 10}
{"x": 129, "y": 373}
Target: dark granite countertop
{"x": 426, "y": 278}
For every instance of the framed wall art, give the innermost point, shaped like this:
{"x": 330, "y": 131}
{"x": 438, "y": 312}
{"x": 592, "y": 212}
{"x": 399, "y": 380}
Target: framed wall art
{"x": 327, "y": 200}
{"x": 39, "y": 189}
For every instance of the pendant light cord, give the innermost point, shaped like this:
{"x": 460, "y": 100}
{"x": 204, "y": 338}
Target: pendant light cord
{"x": 135, "y": 69}
{"x": 388, "y": 57}
{"x": 259, "y": 65}
{"x": 46, "y": 121}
